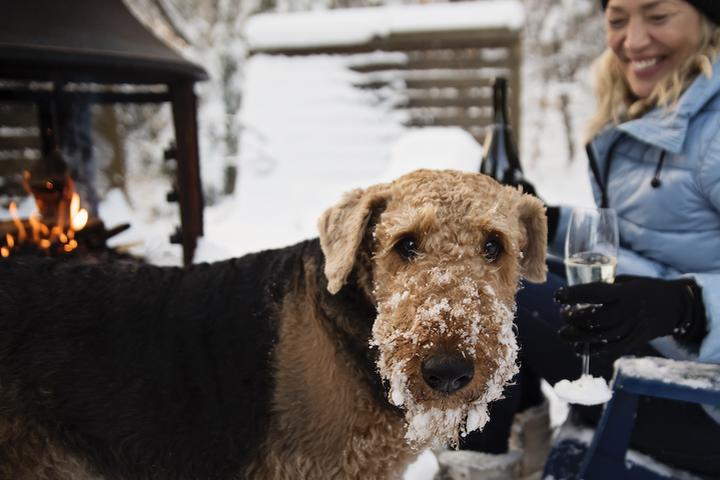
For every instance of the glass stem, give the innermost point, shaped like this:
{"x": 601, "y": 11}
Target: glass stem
{"x": 586, "y": 360}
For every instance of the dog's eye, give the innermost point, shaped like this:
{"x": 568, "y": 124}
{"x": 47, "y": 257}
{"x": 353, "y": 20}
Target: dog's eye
{"x": 407, "y": 247}
{"x": 492, "y": 249}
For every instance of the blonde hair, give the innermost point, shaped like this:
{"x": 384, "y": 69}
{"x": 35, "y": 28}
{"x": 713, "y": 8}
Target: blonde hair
{"x": 616, "y": 102}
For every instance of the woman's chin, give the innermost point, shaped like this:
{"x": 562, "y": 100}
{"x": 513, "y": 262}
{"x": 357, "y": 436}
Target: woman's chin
{"x": 642, "y": 83}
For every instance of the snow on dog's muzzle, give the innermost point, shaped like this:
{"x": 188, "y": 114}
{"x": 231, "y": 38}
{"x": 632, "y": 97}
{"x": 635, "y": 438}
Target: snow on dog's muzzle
{"x": 446, "y": 351}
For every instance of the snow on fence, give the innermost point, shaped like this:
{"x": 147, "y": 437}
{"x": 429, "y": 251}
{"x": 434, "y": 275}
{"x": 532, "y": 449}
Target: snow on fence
{"x": 442, "y": 57}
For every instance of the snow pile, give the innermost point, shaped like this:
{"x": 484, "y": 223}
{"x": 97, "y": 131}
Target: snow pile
{"x": 353, "y": 26}
{"x": 433, "y": 147}
{"x": 586, "y": 390}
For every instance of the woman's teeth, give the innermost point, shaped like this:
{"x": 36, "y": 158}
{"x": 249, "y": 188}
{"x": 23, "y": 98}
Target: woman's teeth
{"x": 643, "y": 64}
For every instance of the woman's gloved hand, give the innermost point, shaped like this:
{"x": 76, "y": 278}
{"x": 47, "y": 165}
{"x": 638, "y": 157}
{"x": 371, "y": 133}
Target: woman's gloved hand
{"x": 615, "y": 317}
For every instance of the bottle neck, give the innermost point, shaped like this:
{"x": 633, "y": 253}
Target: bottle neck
{"x": 500, "y": 103}
{"x": 500, "y": 159}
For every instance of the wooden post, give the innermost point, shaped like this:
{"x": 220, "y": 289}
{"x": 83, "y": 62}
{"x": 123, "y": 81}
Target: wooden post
{"x": 184, "y": 107}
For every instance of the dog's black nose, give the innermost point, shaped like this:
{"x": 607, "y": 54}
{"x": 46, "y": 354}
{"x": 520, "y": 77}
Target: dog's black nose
{"x": 447, "y": 373}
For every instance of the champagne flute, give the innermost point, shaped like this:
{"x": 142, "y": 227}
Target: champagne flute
{"x": 591, "y": 249}
{"x": 591, "y": 245}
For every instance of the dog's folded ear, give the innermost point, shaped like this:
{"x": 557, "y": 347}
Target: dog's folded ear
{"x": 531, "y": 212}
{"x": 342, "y": 228}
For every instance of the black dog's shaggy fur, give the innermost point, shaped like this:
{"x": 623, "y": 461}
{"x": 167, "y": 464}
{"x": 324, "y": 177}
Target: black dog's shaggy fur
{"x": 147, "y": 372}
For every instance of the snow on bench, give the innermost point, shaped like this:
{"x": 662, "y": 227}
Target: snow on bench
{"x": 695, "y": 375}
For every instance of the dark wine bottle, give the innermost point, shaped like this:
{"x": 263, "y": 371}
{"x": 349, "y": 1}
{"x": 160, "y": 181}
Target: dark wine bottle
{"x": 500, "y": 158}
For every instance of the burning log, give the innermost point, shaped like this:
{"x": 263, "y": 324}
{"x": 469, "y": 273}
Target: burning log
{"x": 52, "y": 227}
{"x": 58, "y": 225}
{"x": 43, "y": 236}
{"x": 93, "y": 237}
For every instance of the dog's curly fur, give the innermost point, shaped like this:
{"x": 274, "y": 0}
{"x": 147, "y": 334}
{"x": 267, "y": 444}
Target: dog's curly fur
{"x": 274, "y": 365}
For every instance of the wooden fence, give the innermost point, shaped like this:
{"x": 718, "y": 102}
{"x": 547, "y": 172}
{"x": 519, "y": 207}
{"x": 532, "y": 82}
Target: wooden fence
{"x": 444, "y": 78}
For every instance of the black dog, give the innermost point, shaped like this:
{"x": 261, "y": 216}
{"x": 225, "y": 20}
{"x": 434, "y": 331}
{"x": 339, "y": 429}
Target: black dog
{"x": 136, "y": 370}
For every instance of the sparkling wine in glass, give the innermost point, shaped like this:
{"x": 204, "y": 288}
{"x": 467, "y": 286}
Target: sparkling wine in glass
{"x": 591, "y": 249}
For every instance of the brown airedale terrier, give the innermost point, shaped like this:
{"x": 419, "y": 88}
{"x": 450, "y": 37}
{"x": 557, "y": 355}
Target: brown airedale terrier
{"x": 333, "y": 358}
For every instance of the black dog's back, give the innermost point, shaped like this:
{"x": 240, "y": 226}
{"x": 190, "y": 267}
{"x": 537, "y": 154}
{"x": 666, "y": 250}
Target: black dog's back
{"x": 148, "y": 372}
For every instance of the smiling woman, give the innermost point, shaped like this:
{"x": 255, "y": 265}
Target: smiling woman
{"x": 656, "y": 49}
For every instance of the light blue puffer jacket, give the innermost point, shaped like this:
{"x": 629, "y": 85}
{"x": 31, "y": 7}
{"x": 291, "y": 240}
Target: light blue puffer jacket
{"x": 673, "y": 229}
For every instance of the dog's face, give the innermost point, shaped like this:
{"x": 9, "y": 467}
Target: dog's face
{"x": 447, "y": 251}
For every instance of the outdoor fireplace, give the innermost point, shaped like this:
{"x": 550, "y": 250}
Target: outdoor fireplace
{"x": 61, "y": 58}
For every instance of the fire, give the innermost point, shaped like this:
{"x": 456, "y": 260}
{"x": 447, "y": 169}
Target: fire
{"x": 22, "y": 234}
{"x": 78, "y": 216}
{"x": 56, "y": 238}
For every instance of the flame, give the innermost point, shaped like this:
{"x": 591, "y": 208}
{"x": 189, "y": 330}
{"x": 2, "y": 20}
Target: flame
{"x": 74, "y": 205}
{"x": 35, "y": 223}
{"x": 22, "y": 234}
{"x": 71, "y": 245}
{"x": 60, "y": 225}
{"x": 79, "y": 221}
{"x": 78, "y": 216}
{"x": 52, "y": 239}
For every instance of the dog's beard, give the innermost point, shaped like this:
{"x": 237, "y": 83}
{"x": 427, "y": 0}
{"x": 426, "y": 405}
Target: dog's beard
{"x": 443, "y": 422}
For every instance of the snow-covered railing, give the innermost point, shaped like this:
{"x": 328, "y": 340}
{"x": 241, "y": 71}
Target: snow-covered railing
{"x": 699, "y": 382}
{"x": 439, "y": 62}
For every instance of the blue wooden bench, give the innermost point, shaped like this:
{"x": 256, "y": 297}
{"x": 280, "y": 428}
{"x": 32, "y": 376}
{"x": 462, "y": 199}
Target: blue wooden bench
{"x": 604, "y": 454}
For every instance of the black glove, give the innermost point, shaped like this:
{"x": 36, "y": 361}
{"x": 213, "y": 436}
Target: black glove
{"x": 630, "y": 312}
{"x": 527, "y": 187}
